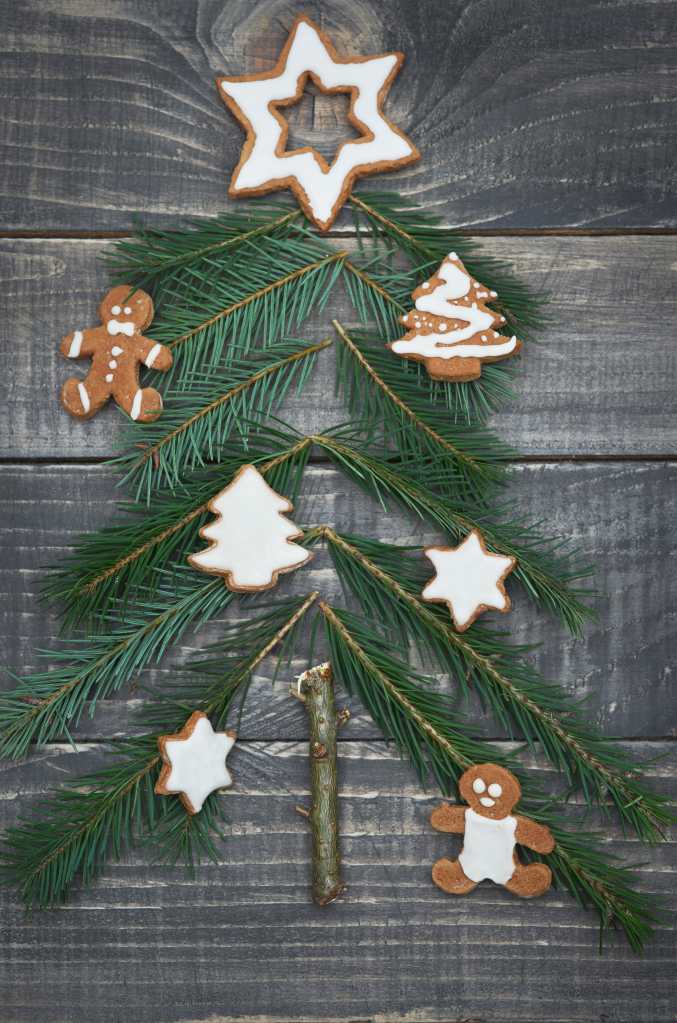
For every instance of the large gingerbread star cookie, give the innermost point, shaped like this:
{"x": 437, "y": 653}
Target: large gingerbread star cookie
{"x": 266, "y": 166}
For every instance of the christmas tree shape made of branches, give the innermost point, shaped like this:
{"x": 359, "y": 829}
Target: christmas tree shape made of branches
{"x": 229, "y": 295}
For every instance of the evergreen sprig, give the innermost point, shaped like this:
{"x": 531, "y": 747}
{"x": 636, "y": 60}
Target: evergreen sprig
{"x": 408, "y": 228}
{"x": 156, "y": 259}
{"x": 422, "y": 724}
{"x": 410, "y": 419}
{"x": 200, "y": 420}
{"x": 548, "y": 575}
{"x": 226, "y": 291}
{"x": 387, "y": 581}
{"x": 41, "y": 706}
{"x": 95, "y": 818}
{"x": 258, "y": 296}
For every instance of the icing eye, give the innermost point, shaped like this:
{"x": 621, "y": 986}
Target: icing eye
{"x": 478, "y": 785}
{"x": 128, "y": 310}
{"x": 495, "y": 790}
{"x": 116, "y": 310}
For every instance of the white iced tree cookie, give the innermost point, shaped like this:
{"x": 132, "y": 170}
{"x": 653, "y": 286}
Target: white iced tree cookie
{"x": 251, "y": 539}
{"x": 451, "y": 329}
{"x": 194, "y": 762}
{"x": 264, "y": 164}
{"x": 469, "y": 580}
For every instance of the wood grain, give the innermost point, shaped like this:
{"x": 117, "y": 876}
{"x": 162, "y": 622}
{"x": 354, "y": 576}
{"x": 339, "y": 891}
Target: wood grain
{"x": 244, "y": 942}
{"x": 527, "y": 115}
{"x": 600, "y": 382}
{"x": 613, "y": 513}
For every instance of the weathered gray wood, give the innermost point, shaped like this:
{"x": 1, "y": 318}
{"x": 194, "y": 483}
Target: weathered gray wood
{"x": 601, "y": 382}
{"x": 526, "y": 114}
{"x": 614, "y": 513}
{"x": 244, "y": 941}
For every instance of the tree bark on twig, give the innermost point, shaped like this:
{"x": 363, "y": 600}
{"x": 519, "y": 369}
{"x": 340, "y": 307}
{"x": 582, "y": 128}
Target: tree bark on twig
{"x": 316, "y": 692}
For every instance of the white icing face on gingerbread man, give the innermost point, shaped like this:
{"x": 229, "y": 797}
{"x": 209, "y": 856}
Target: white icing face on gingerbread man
{"x": 126, "y": 314}
{"x": 490, "y": 790}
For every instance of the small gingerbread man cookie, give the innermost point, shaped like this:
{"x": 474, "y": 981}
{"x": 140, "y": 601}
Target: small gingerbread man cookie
{"x": 117, "y": 349}
{"x": 490, "y": 832}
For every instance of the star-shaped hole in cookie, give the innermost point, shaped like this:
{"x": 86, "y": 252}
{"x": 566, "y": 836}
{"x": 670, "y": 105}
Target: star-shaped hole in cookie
{"x": 318, "y": 122}
{"x": 257, "y": 100}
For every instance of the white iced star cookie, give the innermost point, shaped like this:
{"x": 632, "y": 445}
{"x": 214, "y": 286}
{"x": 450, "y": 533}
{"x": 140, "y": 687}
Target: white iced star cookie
{"x": 194, "y": 762}
{"x": 469, "y": 579}
{"x": 264, "y": 165}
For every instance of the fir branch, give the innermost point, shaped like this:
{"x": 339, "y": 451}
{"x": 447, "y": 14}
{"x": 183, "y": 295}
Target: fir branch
{"x": 113, "y": 562}
{"x": 257, "y": 296}
{"x": 546, "y": 575}
{"x": 198, "y": 421}
{"x": 387, "y": 582}
{"x": 41, "y": 706}
{"x": 156, "y": 256}
{"x": 96, "y": 818}
{"x": 419, "y": 234}
{"x": 418, "y": 427}
{"x": 419, "y": 722}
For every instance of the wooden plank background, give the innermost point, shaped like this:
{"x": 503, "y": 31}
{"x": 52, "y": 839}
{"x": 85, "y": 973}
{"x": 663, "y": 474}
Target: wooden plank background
{"x": 549, "y": 127}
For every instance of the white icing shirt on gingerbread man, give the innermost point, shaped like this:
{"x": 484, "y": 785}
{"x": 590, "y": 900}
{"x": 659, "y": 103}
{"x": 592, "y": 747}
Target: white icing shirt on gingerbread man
{"x": 488, "y": 848}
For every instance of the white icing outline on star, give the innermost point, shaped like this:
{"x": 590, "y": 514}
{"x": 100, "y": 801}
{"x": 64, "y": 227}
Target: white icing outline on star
{"x": 444, "y": 556}
{"x": 304, "y": 170}
{"x": 173, "y": 779}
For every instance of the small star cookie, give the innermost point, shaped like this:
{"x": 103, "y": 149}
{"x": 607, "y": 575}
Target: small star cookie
{"x": 194, "y": 762}
{"x": 469, "y": 579}
{"x": 264, "y": 164}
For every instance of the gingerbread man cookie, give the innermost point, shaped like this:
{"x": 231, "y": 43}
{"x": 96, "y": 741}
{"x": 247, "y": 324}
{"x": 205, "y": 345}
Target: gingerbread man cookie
{"x": 117, "y": 349}
{"x": 490, "y": 832}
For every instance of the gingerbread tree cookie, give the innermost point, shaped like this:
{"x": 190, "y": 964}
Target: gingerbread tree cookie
{"x": 118, "y": 349}
{"x": 452, "y": 330}
{"x": 251, "y": 538}
{"x": 490, "y": 833}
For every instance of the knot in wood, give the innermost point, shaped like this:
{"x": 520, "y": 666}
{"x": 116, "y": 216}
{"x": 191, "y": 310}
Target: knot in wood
{"x": 318, "y": 751}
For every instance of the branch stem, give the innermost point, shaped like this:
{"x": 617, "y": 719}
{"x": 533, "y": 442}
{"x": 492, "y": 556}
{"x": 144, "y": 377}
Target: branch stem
{"x": 316, "y": 690}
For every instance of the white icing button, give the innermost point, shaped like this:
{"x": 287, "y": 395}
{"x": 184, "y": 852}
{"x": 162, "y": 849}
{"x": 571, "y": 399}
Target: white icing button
{"x": 109, "y": 378}
{"x": 116, "y": 310}
{"x": 113, "y": 364}
{"x": 425, "y": 286}
{"x": 495, "y": 790}
{"x": 128, "y": 310}
{"x": 116, "y": 350}
{"x": 478, "y": 785}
